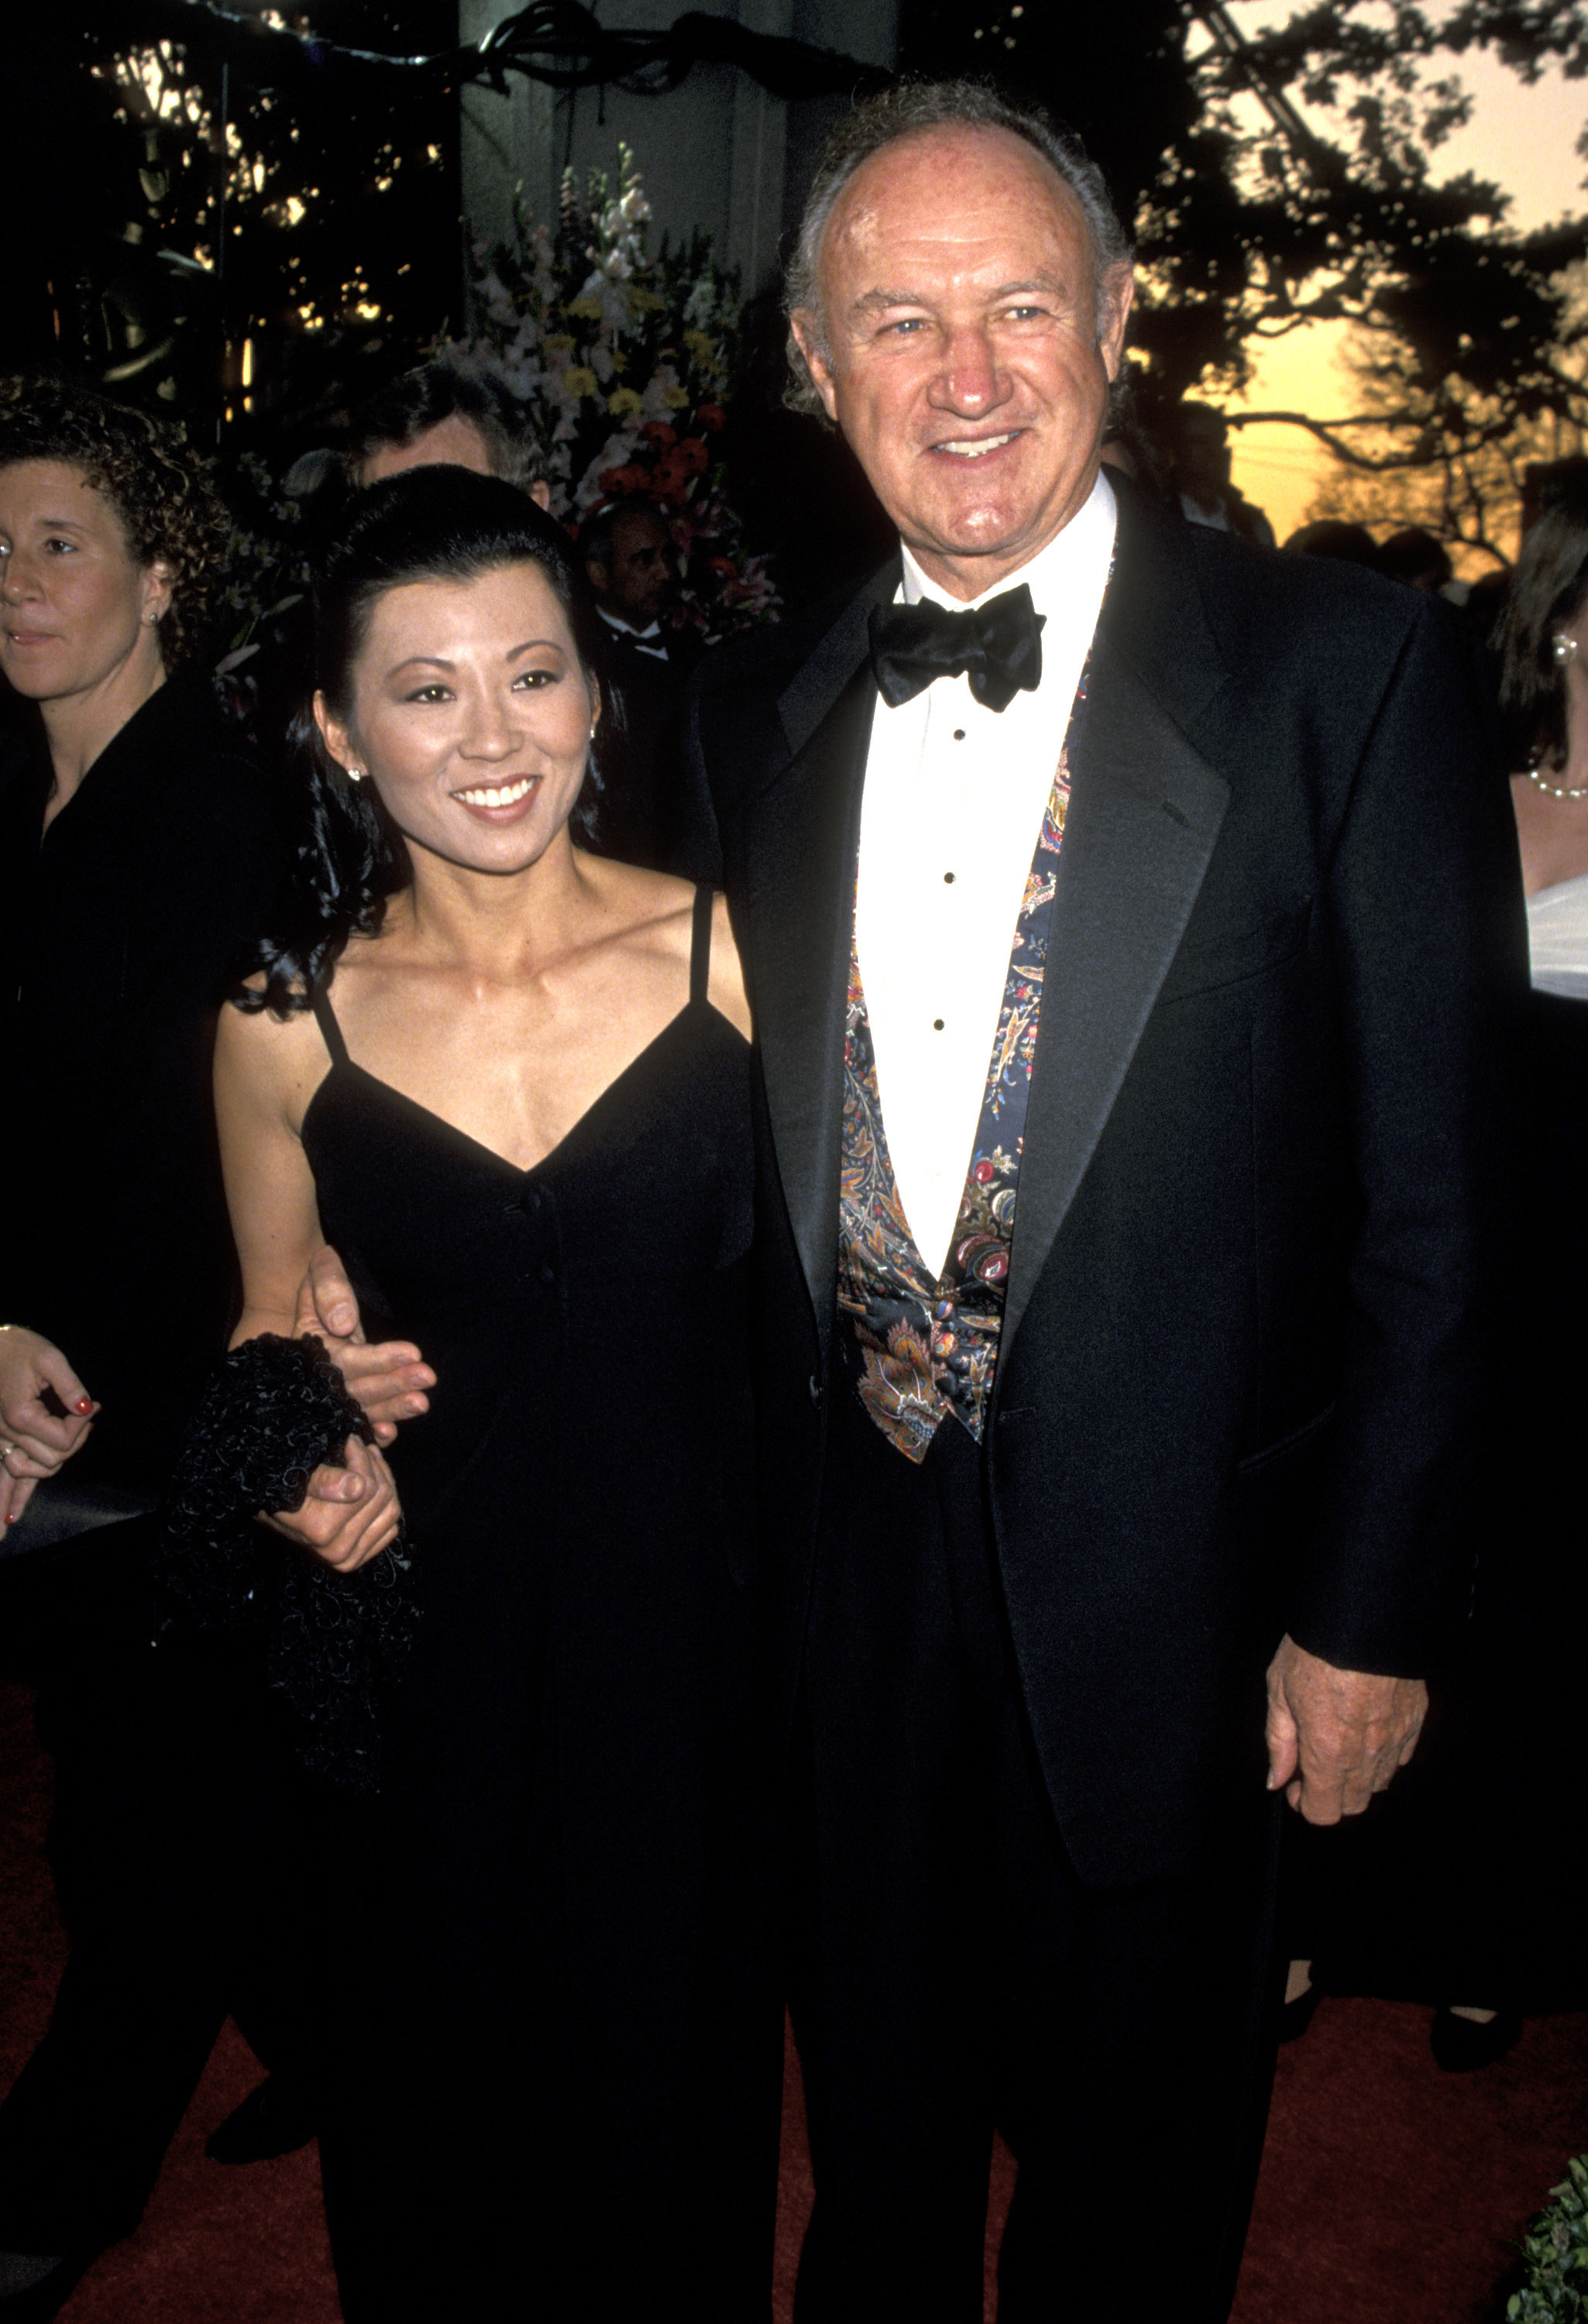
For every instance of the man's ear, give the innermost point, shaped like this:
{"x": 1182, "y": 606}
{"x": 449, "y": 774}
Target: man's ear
{"x": 541, "y": 493}
{"x": 1116, "y": 294}
{"x": 597, "y": 576}
{"x": 809, "y": 339}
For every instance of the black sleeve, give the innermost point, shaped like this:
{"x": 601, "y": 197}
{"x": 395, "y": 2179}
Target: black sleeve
{"x": 1427, "y": 937}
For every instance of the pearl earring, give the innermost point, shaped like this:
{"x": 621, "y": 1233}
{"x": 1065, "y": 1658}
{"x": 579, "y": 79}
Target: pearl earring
{"x": 355, "y": 774}
{"x": 153, "y": 619}
{"x": 1564, "y": 648}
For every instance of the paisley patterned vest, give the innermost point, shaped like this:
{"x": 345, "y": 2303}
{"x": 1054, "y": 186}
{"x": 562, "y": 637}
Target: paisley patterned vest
{"x": 919, "y": 1348}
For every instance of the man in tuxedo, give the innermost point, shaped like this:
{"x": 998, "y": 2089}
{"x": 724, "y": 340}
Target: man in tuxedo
{"x": 1130, "y": 917}
{"x": 1127, "y": 916}
{"x": 632, "y": 565}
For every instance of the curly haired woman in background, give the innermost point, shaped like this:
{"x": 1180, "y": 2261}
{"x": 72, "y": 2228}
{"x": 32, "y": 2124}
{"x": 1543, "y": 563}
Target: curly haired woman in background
{"x": 138, "y": 849}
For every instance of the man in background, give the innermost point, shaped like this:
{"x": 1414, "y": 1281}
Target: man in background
{"x": 631, "y": 566}
{"x": 1199, "y": 455}
{"x": 452, "y": 413}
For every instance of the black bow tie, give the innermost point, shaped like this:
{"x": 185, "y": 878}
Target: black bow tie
{"x": 998, "y": 645}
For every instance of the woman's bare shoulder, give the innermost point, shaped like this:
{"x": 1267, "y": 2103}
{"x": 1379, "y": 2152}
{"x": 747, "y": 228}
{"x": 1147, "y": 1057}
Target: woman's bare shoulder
{"x": 274, "y": 1058}
{"x": 651, "y": 906}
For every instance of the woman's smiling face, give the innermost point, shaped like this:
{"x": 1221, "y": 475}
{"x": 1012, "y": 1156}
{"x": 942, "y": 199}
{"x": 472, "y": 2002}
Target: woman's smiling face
{"x": 472, "y": 714}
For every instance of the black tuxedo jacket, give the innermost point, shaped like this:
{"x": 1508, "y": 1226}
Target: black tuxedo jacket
{"x": 1240, "y": 1341}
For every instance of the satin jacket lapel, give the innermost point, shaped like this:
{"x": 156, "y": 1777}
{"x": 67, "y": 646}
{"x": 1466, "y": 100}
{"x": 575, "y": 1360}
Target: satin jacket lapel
{"x": 802, "y": 834}
{"x": 1144, "y": 813}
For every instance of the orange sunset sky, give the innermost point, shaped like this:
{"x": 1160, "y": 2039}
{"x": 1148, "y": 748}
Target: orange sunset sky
{"x": 1522, "y": 138}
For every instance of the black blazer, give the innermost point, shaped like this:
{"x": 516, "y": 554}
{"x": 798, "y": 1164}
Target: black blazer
{"x": 1241, "y": 1340}
{"x": 118, "y": 936}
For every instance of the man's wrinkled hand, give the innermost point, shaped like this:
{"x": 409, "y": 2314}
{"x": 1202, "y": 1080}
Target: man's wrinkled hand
{"x": 1337, "y": 1737}
{"x": 391, "y": 1380}
{"x": 349, "y": 1514}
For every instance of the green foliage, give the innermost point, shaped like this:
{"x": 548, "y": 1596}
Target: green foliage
{"x": 246, "y": 255}
{"x": 1556, "y": 2257}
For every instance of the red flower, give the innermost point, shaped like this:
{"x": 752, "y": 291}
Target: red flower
{"x": 620, "y": 481}
{"x": 710, "y": 415}
{"x": 725, "y": 569}
{"x": 657, "y": 432}
{"x": 692, "y": 456}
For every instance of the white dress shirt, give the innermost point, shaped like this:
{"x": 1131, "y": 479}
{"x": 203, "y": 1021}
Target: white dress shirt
{"x": 1557, "y": 938}
{"x": 648, "y": 640}
{"x": 954, "y": 796}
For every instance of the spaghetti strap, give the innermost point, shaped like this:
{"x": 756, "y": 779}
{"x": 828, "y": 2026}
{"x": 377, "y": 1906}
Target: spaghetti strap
{"x": 700, "y": 944}
{"x": 325, "y": 1016}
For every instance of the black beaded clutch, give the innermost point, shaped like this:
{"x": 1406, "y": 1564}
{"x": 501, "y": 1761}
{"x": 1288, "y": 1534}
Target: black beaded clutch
{"x": 274, "y": 1410}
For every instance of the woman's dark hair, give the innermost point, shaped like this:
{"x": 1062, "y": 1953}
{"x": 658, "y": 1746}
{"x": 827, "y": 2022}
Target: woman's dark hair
{"x": 157, "y": 487}
{"x": 1547, "y": 587}
{"x": 426, "y": 524}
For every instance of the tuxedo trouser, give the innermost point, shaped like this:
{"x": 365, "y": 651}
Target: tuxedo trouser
{"x": 952, "y": 1974}
{"x": 177, "y": 1848}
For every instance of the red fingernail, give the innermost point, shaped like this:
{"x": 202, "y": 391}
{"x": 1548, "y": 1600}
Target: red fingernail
{"x": 84, "y": 1404}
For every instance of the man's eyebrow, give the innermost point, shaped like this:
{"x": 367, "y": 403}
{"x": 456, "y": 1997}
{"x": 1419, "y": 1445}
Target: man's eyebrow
{"x": 870, "y": 302}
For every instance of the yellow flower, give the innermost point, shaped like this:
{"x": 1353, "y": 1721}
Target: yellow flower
{"x": 579, "y": 380}
{"x": 588, "y": 310}
{"x": 702, "y": 348}
{"x": 622, "y": 400}
{"x": 675, "y": 398}
{"x": 643, "y": 302}
{"x": 556, "y": 341}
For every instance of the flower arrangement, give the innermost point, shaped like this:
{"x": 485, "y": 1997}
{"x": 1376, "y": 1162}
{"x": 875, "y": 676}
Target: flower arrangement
{"x": 625, "y": 364}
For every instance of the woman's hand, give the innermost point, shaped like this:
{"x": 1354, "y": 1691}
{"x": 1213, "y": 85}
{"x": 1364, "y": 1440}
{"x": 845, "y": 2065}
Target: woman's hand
{"x": 349, "y": 1514}
{"x": 33, "y": 1442}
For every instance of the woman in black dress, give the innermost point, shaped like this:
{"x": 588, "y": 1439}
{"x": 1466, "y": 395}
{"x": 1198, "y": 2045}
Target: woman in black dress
{"x": 510, "y": 1080}
{"x": 138, "y": 850}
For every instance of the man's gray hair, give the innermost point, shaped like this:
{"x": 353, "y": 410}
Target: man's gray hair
{"x": 900, "y": 112}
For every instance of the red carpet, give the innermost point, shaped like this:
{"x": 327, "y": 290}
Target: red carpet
{"x": 1390, "y": 2193}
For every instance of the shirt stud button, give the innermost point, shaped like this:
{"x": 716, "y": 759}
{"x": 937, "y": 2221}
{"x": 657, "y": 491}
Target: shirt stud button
{"x": 936, "y": 1024}
{"x": 959, "y": 734}
{"x": 948, "y": 878}
{"x": 816, "y": 1390}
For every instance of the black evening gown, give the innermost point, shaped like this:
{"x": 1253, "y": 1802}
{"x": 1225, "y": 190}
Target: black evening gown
{"x": 560, "y": 2044}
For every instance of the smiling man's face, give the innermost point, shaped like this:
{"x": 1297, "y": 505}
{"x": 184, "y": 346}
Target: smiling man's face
{"x": 963, "y": 356}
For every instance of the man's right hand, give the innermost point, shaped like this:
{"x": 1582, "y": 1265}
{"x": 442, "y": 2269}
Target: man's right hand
{"x": 348, "y": 1515}
{"x": 390, "y": 1381}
